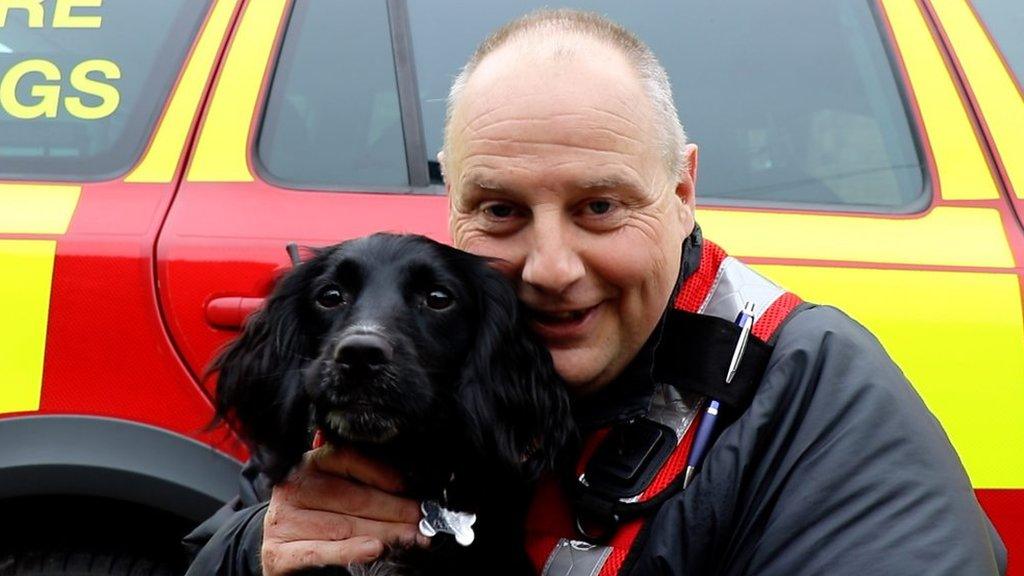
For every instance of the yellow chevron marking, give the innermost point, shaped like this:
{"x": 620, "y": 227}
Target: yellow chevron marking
{"x": 946, "y": 236}
{"x": 963, "y": 172}
{"x": 27, "y": 269}
{"x": 1000, "y": 101}
{"x": 36, "y": 208}
{"x": 958, "y": 336}
{"x": 163, "y": 155}
{"x": 222, "y": 153}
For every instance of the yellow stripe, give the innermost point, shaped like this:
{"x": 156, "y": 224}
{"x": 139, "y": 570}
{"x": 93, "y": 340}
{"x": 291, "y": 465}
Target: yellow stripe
{"x": 162, "y": 158}
{"x": 36, "y": 208}
{"x": 946, "y": 236}
{"x": 1000, "y": 101}
{"x": 963, "y": 172}
{"x": 958, "y": 337}
{"x": 24, "y": 305}
{"x": 222, "y": 152}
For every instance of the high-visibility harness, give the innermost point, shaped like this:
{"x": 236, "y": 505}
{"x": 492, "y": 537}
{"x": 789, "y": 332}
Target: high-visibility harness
{"x": 701, "y": 335}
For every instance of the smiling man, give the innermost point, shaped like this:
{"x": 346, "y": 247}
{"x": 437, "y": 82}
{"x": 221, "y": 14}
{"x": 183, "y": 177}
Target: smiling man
{"x": 565, "y": 160}
{"x": 559, "y": 166}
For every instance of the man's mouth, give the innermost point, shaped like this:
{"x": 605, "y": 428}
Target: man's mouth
{"x": 554, "y": 317}
{"x": 565, "y": 324}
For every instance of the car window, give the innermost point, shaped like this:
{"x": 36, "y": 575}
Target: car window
{"x": 82, "y": 84}
{"x": 332, "y": 116}
{"x": 791, "y": 103}
{"x": 1005, "y": 21}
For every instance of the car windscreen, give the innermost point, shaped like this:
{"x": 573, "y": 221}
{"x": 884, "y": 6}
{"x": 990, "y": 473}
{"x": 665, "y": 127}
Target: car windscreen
{"x": 83, "y": 83}
{"x": 792, "y": 103}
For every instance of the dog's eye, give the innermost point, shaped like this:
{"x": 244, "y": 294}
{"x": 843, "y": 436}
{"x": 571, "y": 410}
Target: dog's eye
{"x": 331, "y": 297}
{"x": 438, "y": 300}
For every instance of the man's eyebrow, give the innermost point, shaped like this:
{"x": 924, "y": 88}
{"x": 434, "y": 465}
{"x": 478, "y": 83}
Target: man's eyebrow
{"x": 609, "y": 182}
{"x": 482, "y": 182}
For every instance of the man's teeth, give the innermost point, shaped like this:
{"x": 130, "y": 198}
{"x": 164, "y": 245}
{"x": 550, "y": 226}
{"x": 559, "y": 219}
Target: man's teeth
{"x": 563, "y": 316}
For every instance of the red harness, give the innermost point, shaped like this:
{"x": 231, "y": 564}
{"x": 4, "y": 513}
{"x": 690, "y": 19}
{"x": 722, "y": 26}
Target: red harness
{"x": 719, "y": 287}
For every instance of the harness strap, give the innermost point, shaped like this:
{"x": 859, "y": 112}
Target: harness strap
{"x": 553, "y": 554}
{"x": 701, "y": 321}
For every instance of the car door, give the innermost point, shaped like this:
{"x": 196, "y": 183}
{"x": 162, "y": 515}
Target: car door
{"x": 306, "y": 139}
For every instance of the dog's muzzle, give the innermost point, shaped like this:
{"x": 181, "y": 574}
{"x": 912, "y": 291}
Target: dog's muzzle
{"x": 363, "y": 352}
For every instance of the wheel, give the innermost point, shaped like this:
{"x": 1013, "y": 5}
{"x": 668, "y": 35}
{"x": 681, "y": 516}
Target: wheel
{"x": 82, "y": 563}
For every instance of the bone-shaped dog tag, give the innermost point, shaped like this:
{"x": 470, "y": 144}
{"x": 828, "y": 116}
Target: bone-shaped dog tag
{"x": 437, "y": 518}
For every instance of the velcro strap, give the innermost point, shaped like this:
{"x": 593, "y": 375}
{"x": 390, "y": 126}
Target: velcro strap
{"x": 701, "y": 348}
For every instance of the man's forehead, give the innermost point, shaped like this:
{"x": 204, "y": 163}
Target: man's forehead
{"x": 537, "y": 96}
{"x": 560, "y": 54}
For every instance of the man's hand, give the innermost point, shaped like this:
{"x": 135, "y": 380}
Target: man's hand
{"x": 336, "y": 508}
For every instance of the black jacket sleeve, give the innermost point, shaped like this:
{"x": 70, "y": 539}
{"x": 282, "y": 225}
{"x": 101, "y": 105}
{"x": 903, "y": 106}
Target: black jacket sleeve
{"x": 837, "y": 467}
{"x": 228, "y": 543}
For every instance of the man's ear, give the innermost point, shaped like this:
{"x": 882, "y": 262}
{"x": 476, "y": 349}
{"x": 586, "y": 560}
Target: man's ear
{"x": 686, "y": 188}
{"x": 444, "y": 172}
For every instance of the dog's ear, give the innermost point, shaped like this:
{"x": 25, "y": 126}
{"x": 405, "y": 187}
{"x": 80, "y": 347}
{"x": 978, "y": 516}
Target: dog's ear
{"x": 260, "y": 390}
{"x": 516, "y": 406}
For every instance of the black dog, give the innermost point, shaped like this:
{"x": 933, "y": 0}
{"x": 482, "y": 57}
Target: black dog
{"x": 418, "y": 354}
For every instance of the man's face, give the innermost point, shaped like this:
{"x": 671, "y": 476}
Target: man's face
{"x": 556, "y": 170}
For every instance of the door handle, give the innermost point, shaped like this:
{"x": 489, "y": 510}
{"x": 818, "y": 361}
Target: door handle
{"x": 230, "y": 312}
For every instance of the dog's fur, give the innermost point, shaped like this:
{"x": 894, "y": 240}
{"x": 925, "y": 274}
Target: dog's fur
{"x": 443, "y": 382}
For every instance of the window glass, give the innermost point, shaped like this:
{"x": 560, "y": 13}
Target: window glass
{"x": 1005, "y": 22}
{"x": 332, "y": 116}
{"x": 791, "y": 102}
{"x": 82, "y": 86}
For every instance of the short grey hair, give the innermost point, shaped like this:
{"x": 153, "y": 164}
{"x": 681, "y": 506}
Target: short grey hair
{"x": 547, "y": 22}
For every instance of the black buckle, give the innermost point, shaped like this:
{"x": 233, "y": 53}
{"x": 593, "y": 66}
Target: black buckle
{"x": 622, "y": 466}
{"x": 628, "y": 458}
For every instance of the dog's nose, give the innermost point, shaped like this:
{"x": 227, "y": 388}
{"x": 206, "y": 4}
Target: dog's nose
{"x": 363, "y": 351}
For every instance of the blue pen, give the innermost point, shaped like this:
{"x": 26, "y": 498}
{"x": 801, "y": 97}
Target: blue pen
{"x": 745, "y": 320}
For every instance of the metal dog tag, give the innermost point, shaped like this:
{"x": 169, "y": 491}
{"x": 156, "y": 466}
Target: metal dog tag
{"x": 437, "y": 518}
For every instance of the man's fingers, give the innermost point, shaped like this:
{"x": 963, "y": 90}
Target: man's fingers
{"x": 291, "y": 525}
{"x": 317, "y": 491}
{"x": 347, "y": 462}
{"x": 286, "y": 557}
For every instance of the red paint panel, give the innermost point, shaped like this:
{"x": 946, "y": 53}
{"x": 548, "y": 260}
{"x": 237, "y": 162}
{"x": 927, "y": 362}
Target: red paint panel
{"x": 107, "y": 353}
{"x": 228, "y": 240}
{"x": 1006, "y": 510}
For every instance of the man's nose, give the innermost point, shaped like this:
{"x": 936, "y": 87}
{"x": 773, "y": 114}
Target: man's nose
{"x": 552, "y": 263}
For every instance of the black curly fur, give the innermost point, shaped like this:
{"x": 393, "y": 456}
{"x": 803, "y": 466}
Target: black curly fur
{"x": 466, "y": 393}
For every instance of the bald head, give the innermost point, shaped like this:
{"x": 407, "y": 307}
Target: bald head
{"x": 573, "y": 39}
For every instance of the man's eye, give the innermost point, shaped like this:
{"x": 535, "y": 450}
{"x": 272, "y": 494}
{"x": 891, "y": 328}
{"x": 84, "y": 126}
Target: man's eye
{"x": 599, "y": 206}
{"x": 331, "y": 297}
{"x": 499, "y": 211}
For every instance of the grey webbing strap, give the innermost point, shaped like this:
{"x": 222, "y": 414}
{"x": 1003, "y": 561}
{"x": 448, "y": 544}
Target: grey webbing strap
{"x": 575, "y": 558}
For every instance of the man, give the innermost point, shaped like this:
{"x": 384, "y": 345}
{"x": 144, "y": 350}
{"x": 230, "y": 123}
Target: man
{"x": 564, "y": 158}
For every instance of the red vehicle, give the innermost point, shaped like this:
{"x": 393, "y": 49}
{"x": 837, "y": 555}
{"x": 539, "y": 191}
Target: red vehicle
{"x": 156, "y": 156}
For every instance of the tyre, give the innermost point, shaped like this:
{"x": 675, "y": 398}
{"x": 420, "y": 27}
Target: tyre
{"x": 82, "y": 563}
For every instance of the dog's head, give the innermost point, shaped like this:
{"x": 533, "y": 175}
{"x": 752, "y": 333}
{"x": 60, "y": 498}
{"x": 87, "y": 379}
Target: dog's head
{"x": 390, "y": 339}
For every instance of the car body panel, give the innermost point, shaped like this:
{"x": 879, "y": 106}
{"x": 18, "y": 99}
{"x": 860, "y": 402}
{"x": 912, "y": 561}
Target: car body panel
{"x": 84, "y": 301}
{"x": 164, "y": 156}
{"x": 991, "y": 86}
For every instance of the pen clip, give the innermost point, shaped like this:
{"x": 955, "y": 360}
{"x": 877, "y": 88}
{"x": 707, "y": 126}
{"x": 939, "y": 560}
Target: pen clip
{"x": 745, "y": 320}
